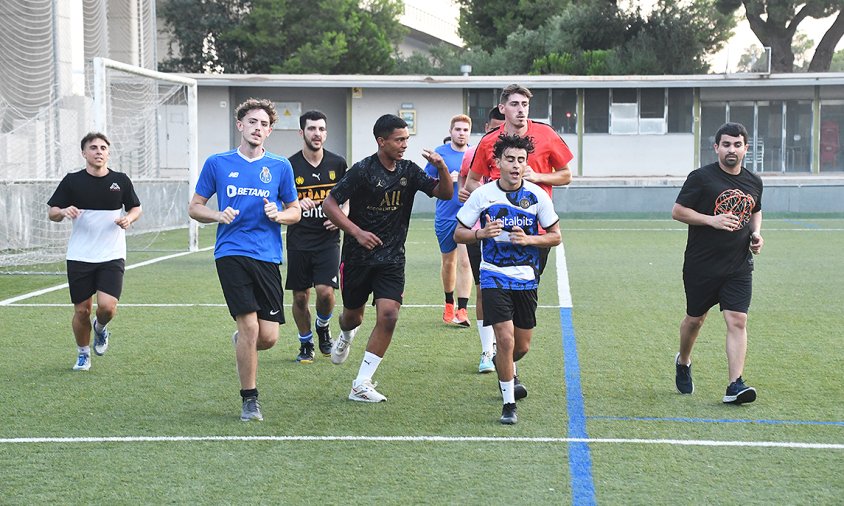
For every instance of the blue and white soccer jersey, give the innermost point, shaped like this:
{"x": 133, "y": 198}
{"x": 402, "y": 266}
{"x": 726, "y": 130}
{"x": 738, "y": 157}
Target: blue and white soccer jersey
{"x": 243, "y": 185}
{"x": 503, "y": 264}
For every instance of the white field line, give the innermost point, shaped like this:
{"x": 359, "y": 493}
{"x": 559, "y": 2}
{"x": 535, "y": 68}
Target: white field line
{"x": 421, "y": 439}
{"x": 36, "y": 293}
{"x": 191, "y": 304}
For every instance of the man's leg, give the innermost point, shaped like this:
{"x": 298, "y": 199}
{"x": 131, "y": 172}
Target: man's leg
{"x": 689, "y": 330}
{"x": 81, "y": 323}
{"x": 324, "y": 309}
{"x": 301, "y": 311}
{"x": 387, "y": 315}
{"x": 736, "y": 342}
{"x": 505, "y": 339}
{"x": 463, "y": 285}
{"x": 448, "y": 273}
{"x": 350, "y": 320}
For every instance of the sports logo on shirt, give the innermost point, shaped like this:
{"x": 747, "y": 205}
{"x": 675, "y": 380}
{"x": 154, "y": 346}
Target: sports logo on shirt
{"x": 300, "y": 180}
{"x": 403, "y": 181}
{"x": 234, "y": 174}
{"x": 524, "y": 203}
{"x": 114, "y": 187}
{"x": 265, "y": 175}
{"x": 332, "y": 175}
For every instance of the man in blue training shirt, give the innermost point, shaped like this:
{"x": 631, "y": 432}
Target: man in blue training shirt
{"x": 511, "y": 211}
{"x": 455, "y": 270}
{"x": 251, "y": 184}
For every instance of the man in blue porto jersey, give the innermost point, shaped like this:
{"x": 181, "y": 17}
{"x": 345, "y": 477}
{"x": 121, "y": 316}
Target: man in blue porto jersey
{"x": 256, "y": 194}
{"x": 510, "y": 210}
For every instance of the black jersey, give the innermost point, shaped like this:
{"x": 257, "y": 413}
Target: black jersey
{"x": 709, "y": 190}
{"x": 314, "y": 183}
{"x": 380, "y": 201}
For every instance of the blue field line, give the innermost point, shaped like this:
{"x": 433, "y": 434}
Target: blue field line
{"x": 712, "y": 420}
{"x": 580, "y": 457}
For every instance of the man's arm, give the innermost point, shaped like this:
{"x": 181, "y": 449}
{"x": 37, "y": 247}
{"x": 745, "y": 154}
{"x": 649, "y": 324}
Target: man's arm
{"x": 444, "y": 189}
{"x": 559, "y": 177}
{"x": 756, "y": 240}
{"x": 130, "y": 217}
{"x": 332, "y": 209}
{"x": 59, "y": 213}
{"x": 198, "y": 210}
{"x": 689, "y": 216}
{"x": 552, "y": 237}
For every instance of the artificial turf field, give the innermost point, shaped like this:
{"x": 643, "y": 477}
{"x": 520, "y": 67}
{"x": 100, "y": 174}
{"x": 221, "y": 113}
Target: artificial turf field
{"x": 156, "y": 420}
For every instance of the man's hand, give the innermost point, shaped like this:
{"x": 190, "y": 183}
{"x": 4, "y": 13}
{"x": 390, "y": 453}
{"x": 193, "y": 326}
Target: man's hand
{"x": 756, "y": 243}
{"x": 368, "y": 240}
{"x": 271, "y": 210}
{"x": 71, "y": 212}
{"x": 227, "y": 215}
{"x": 123, "y": 222}
{"x": 729, "y": 222}
{"x": 518, "y": 236}
{"x": 307, "y": 204}
{"x": 492, "y": 228}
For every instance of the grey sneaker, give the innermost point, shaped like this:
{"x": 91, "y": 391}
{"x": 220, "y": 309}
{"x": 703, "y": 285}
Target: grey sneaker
{"x": 100, "y": 338}
{"x": 739, "y": 393}
{"x": 683, "y": 376}
{"x": 251, "y": 410}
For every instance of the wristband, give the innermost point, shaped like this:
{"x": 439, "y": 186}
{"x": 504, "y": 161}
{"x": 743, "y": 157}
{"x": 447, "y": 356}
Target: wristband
{"x": 476, "y": 235}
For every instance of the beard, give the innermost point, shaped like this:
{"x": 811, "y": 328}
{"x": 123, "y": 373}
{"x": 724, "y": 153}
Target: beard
{"x": 311, "y": 146}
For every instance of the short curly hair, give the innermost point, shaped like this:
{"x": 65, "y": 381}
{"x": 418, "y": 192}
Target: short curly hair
{"x": 506, "y": 142}
{"x": 254, "y": 103}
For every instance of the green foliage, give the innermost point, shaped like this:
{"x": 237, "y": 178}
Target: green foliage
{"x": 775, "y": 24}
{"x": 263, "y": 36}
{"x": 486, "y": 24}
{"x": 590, "y": 63}
{"x": 837, "y": 62}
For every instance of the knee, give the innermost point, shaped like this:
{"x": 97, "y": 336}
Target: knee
{"x": 520, "y": 349}
{"x": 737, "y": 321}
{"x": 694, "y": 322}
{"x": 82, "y": 312}
{"x": 349, "y": 321}
{"x": 388, "y": 319}
{"x": 300, "y": 300}
{"x": 267, "y": 341}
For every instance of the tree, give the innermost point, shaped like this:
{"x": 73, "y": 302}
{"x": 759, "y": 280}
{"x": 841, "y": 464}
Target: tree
{"x": 837, "y": 64}
{"x": 289, "y": 36}
{"x": 775, "y": 24}
{"x": 752, "y": 59}
{"x": 485, "y": 24}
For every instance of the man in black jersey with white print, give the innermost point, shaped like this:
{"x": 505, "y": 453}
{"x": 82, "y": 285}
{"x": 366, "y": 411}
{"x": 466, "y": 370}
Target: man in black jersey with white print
{"x": 96, "y": 253}
{"x": 380, "y": 190}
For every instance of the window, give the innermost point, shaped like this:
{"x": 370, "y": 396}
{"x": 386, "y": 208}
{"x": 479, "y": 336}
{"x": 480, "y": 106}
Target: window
{"x": 680, "y": 104}
{"x": 480, "y": 102}
{"x": 540, "y": 108}
{"x": 596, "y": 111}
{"x": 638, "y": 111}
{"x": 564, "y": 111}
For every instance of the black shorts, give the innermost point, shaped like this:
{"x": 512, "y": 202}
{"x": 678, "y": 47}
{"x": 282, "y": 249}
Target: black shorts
{"x": 474, "y": 251}
{"x": 502, "y": 305}
{"x": 85, "y": 279}
{"x": 309, "y": 268}
{"x": 384, "y": 281}
{"x": 251, "y": 286}
{"x": 733, "y": 293}
{"x": 543, "y": 259}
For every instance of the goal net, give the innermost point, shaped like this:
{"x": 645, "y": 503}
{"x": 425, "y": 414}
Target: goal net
{"x": 151, "y": 120}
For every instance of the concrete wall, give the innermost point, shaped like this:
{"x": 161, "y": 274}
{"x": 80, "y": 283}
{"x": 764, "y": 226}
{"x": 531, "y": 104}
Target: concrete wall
{"x": 637, "y": 155}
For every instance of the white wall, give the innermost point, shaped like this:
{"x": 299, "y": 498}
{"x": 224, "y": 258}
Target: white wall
{"x": 637, "y": 155}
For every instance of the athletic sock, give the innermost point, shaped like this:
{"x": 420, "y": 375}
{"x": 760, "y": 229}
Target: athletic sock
{"x": 97, "y": 324}
{"x": 252, "y": 392}
{"x": 323, "y": 321}
{"x": 368, "y": 366}
{"x": 507, "y": 393}
{"x": 83, "y": 349}
{"x": 487, "y": 337}
{"x": 462, "y": 302}
{"x": 449, "y": 297}
{"x": 308, "y": 338}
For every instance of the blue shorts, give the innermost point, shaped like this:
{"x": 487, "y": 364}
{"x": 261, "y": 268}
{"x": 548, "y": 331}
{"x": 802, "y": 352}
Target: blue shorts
{"x": 445, "y": 235}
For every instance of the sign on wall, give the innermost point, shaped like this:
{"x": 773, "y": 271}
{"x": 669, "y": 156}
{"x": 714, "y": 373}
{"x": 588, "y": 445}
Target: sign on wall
{"x": 288, "y": 115}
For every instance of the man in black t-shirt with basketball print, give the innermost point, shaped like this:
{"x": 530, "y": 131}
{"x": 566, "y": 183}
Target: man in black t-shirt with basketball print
{"x": 380, "y": 190}
{"x": 722, "y": 205}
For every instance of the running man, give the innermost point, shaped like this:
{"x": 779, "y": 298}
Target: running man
{"x": 722, "y": 205}
{"x": 313, "y": 244}
{"x": 251, "y": 184}
{"x": 380, "y": 190}
{"x": 454, "y": 269}
{"x": 511, "y": 211}
{"x": 96, "y": 252}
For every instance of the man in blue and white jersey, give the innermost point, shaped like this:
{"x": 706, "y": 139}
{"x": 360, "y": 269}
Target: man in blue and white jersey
{"x": 251, "y": 186}
{"x": 510, "y": 210}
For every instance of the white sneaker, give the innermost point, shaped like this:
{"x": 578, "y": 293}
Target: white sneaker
{"x": 365, "y": 392}
{"x": 341, "y": 348}
{"x": 83, "y": 362}
{"x": 486, "y": 364}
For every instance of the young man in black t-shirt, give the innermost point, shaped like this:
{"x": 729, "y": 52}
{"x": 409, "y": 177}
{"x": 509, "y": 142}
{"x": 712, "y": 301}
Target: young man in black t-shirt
{"x": 93, "y": 199}
{"x": 313, "y": 244}
{"x": 380, "y": 190}
{"x": 722, "y": 204}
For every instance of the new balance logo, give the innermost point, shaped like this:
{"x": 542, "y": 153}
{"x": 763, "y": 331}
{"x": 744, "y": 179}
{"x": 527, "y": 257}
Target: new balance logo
{"x": 234, "y": 174}
{"x": 114, "y": 187}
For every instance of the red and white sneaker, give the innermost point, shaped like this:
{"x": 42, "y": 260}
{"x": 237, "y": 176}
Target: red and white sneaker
{"x": 364, "y": 391}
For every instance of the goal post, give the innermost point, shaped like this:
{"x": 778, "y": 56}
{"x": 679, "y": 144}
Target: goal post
{"x": 103, "y": 114}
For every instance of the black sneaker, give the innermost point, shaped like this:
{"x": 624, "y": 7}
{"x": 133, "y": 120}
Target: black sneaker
{"x": 683, "y": 376}
{"x": 739, "y": 393}
{"x": 519, "y": 390}
{"x": 306, "y": 353}
{"x": 325, "y": 342}
{"x": 508, "y": 414}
